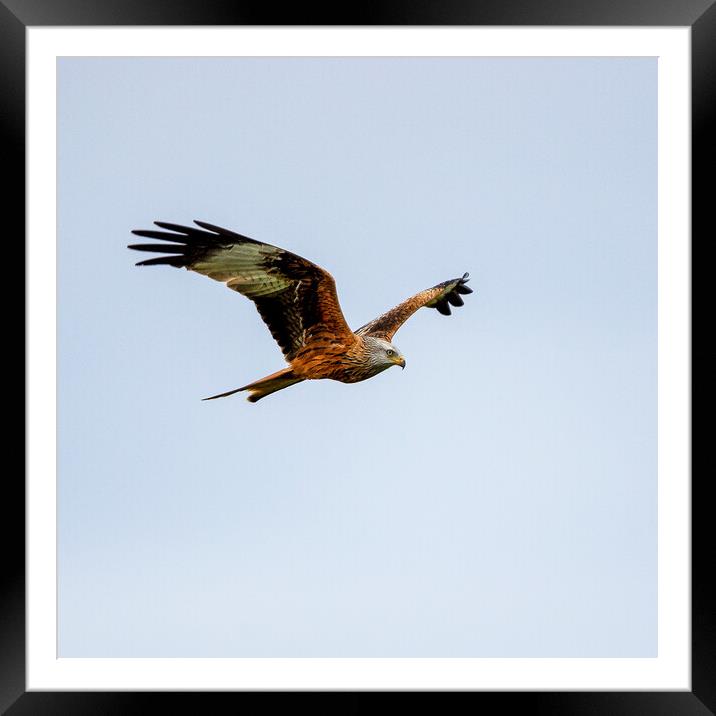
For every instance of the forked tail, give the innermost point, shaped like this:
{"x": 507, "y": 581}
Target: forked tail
{"x": 265, "y": 386}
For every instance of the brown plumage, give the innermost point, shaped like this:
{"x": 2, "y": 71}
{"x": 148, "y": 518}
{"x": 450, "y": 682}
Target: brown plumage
{"x": 298, "y": 302}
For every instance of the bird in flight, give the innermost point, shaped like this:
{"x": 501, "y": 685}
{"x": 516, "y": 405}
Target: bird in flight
{"x": 298, "y": 302}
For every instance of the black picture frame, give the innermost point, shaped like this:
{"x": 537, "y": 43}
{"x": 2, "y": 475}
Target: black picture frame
{"x": 17, "y": 15}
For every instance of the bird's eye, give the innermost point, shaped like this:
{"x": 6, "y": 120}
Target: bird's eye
{"x": 391, "y": 352}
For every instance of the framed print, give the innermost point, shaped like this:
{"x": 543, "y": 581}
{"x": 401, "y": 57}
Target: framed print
{"x": 512, "y": 515}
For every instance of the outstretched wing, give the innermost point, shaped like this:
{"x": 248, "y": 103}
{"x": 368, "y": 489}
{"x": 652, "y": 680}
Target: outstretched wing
{"x": 296, "y": 299}
{"x": 440, "y": 297}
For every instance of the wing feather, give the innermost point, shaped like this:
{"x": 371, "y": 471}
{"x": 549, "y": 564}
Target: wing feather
{"x": 296, "y": 298}
{"x": 439, "y": 297}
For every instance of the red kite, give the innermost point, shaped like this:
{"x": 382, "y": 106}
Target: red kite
{"x": 297, "y": 300}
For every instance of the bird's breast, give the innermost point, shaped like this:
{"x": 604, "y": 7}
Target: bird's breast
{"x": 347, "y": 364}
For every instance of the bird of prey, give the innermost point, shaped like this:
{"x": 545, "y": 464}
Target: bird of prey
{"x": 298, "y": 302}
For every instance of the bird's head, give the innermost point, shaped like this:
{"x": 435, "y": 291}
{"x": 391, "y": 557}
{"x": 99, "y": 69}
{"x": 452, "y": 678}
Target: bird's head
{"x": 383, "y": 354}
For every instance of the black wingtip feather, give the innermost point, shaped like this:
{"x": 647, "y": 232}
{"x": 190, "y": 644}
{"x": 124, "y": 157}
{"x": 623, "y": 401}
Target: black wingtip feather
{"x": 461, "y": 287}
{"x": 453, "y": 298}
{"x": 178, "y": 228}
{"x": 176, "y": 261}
{"x": 212, "y": 227}
{"x": 225, "y": 232}
{"x": 191, "y": 238}
{"x": 187, "y": 242}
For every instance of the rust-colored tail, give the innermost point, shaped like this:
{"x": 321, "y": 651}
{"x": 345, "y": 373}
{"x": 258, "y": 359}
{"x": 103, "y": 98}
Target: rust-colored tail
{"x": 265, "y": 386}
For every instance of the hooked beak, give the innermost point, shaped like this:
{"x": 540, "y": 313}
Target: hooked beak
{"x": 401, "y": 362}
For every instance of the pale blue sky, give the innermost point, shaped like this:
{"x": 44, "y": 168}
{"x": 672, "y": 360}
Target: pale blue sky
{"x": 498, "y": 497}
